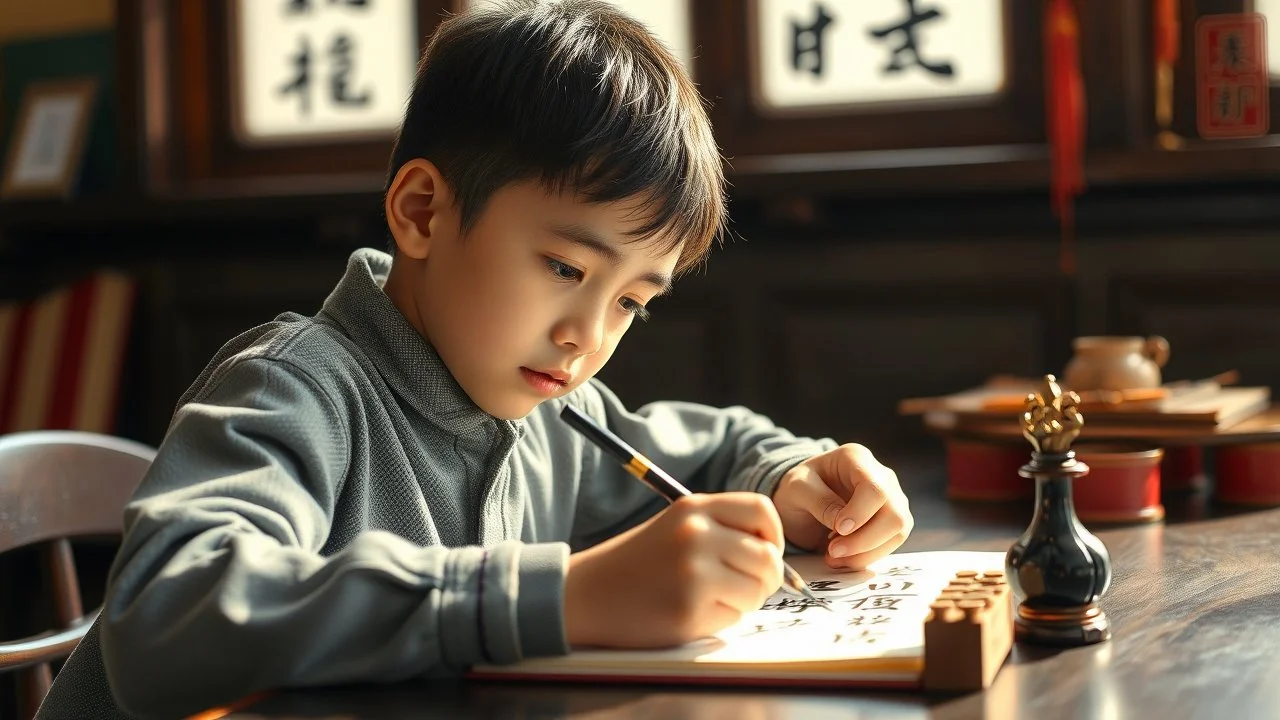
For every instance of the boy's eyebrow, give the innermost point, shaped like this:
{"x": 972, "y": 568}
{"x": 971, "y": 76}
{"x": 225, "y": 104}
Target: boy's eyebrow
{"x": 585, "y": 237}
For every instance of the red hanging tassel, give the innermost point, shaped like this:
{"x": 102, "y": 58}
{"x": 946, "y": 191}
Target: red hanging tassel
{"x": 1166, "y": 33}
{"x": 1065, "y": 118}
{"x": 1167, "y": 30}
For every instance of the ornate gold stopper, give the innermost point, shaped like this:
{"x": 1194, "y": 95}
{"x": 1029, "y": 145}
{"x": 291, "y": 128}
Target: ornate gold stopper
{"x": 1052, "y": 419}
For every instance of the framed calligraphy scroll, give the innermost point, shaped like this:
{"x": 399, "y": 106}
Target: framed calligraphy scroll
{"x": 236, "y": 97}
{"x": 306, "y": 70}
{"x": 831, "y": 85}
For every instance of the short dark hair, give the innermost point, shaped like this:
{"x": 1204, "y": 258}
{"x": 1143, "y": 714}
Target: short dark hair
{"x": 577, "y": 95}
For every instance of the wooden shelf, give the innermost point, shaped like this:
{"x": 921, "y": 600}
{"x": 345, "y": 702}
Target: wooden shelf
{"x": 963, "y": 170}
{"x": 110, "y": 214}
{"x": 1198, "y": 162}
{"x": 1003, "y": 168}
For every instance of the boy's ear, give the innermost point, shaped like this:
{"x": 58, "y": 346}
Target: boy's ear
{"x": 419, "y": 207}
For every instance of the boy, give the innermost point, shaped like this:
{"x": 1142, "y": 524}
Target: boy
{"x": 384, "y": 490}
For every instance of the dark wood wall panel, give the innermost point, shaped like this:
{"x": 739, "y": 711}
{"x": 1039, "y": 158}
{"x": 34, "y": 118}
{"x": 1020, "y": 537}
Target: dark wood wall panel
{"x": 190, "y": 307}
{"x": 825, "y": 335}
{"x": 1213, "y": 322}
{"x": 824, "y": 329}
{"x": 843, "y": 359}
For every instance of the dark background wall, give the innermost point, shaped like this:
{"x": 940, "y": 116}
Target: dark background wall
{"x": 876, "y": 257}
{"x": 823, "y": 325}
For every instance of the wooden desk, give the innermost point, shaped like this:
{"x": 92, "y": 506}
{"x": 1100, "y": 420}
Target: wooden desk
{"x": 1195, "y": 609}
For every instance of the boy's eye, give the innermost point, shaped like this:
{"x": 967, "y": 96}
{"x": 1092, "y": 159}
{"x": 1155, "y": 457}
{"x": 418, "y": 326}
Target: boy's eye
{"x": 634, "y": 308}
{"x": 563, "y": 271}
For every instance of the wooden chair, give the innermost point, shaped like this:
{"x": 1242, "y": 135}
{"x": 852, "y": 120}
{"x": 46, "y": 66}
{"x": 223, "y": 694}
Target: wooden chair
{"x": 56, "y": 485}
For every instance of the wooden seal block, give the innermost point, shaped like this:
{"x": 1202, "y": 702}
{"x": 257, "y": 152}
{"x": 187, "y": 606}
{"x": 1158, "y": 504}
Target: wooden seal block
{"x": 968, "y": 632}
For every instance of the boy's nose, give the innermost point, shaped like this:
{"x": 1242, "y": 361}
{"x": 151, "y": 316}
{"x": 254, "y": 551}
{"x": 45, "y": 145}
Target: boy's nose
{"x": 583, "y": 332}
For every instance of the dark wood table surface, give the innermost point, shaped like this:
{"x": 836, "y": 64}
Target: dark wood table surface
{"x": 1194, "y": 605}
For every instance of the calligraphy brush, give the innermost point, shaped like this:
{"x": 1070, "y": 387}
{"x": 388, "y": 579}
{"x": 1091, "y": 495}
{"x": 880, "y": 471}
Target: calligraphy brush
{"x": 659, "y": 481}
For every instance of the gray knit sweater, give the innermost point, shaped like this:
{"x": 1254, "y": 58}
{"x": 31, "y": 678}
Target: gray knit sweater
{"x": 329, "y": 506}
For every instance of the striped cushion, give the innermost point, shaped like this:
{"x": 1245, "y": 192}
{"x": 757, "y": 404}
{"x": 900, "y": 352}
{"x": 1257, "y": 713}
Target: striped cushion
{"x": 61, "y": 356}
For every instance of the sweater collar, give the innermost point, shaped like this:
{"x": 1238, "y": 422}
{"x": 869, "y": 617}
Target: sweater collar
{"x": 408, "y": 363}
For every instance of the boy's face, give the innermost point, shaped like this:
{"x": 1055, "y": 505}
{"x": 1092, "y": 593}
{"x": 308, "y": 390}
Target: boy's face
{"x": 532, "y": 302}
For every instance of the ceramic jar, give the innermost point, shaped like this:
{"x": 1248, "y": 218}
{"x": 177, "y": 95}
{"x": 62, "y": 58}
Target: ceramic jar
{"x": 1116, "y": 363}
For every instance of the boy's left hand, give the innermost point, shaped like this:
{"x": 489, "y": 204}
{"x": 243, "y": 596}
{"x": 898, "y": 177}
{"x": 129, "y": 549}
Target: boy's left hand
{"x": 848, "y": 491}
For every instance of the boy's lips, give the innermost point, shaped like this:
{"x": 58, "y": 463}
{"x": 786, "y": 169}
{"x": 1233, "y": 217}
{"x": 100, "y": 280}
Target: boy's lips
{"x": 558, "y": 375}
{"x": 547, "y": 382}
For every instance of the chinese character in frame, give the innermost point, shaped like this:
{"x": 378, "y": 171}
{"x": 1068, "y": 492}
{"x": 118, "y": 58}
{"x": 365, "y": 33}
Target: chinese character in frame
{"x": 314, "y": 69}
{"x": 822, "y": 55}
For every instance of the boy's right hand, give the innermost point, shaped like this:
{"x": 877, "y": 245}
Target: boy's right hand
{"x": 689, "y": 571}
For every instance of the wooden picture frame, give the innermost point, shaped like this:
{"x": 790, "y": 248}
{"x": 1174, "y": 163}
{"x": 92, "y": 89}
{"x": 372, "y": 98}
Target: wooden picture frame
{"x": 51, "y": 132}
{"x": 179, "y": 56}
{"x": 382, "y": 128}
{"x": 841, "y": 149}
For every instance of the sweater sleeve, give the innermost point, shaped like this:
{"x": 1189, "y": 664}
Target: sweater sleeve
{"x": 708, "y": 449}
{"x": 223, "y": 586}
